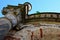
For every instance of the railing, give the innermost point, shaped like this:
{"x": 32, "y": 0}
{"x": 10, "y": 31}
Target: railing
{"x": 45, "y": 16}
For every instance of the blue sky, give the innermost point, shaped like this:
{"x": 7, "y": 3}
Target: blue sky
{"x": 37, "y": 5}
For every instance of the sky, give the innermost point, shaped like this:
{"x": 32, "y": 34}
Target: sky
{"x": 37, "y": 5}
